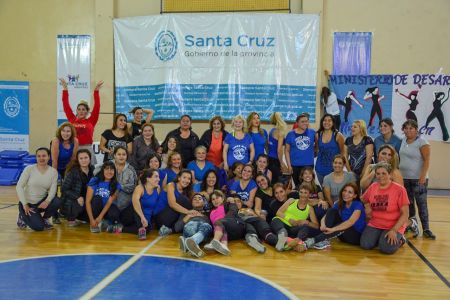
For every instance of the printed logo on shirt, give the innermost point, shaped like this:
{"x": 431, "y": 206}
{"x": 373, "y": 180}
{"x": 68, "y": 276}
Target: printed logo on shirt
{"x": 303, "y": 142}
{"x": 102, "y": 192}
{"x": 244, "y": 195}
{"x": 381, "y": 203}
{"x": 239, "y": 152}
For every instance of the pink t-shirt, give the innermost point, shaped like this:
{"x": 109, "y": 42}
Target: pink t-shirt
{"x": 386, "y": 205}
{"x": 217, "y": 214}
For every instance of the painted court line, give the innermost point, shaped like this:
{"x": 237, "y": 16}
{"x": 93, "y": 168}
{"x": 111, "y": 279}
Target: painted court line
{"x": 111, "y": 277}
{"x": 7, "y": 206}
{"x": 278, "y": 287}
{"x": 429, "y": 264}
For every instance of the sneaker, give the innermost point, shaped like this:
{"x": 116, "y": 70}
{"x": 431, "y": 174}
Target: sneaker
{"x": 182, "y": 243}
{"x": 414, "y": 227}
{"x": 103, "y": 226}
{"x": 73, "y": 223}
{"x": 220, "y": 247}
{"x": 208, "y": 247}
{"x": 95, "y": 229}
{"x": 429, "y": 234}
{"x": 282, "y": 238}
{"x": 21, "y": 223}
{"x": 193, "y": 248}
{"x": 56, "y": 219}
{"x": 309, "y": 243}
{"x": 322, "y": 245}
{"x": 47, "y": 224}
{"x": 252, "y": 241}
{"x": 164, "y": 230}
{"x": 402, "y": 240}
{"x": 142, "y": 234}
{"x": 118, "y": 228}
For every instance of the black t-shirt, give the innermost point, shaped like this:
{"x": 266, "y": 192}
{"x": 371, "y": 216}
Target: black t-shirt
{"x": 135, "y": 129}
{"x": 112, "y": 142}
{"x": 266, "y": 199}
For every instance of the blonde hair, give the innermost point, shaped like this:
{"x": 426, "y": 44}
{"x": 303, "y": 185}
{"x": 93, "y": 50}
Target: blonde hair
{"x": 362, "y": 125}
{"x": 394, "y": 162}
{"x": 238, "y": 117}
{"x": 276, "y": 119}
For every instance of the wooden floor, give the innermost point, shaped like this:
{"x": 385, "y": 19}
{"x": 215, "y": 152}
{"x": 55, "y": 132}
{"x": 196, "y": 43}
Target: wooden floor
{"x": 342, "y": 272}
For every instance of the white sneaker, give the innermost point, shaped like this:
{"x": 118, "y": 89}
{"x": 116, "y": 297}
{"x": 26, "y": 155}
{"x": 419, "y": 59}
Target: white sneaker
{"x": 193, "y": 248}
{"x": 182, "y": 242}
{"x": 220, "y": 247}
{"x": 282, "y": 239}
{"x": 253, "y": 242}
{"x": 208, "y": 247}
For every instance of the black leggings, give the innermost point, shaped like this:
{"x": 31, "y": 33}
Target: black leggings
{"x": 437, "y": 113}
{"x": 349, "y": 235}
{"x": 275, "y": 168}
{"x": 234, "y": 228}
{"x": 168, "y": 217}
{"x": 258, "y": 226}
{"x": 35, "y": 220}
{"x": 73, "y": 210}
{"x": 113, "y": 213}
{"x": 302, "y": 232}
{"x": 376, "y": 109}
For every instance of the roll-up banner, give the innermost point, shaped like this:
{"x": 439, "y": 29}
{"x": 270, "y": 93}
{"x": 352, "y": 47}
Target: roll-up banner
{"x": 74, "y": 65}
{"x": 14, "y": 115}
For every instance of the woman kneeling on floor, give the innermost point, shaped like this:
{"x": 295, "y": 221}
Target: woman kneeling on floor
{"x": 386, "y": 204}
{"x": 36, "y": 190}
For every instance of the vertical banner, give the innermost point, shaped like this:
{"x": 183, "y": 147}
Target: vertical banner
{"x": 14, "y": 115}
{"x": 425, "y": 99}
{"x": 367, "y": 98}
{"x": 217, "y": 64}
{"x": 74, "y": 65}
{"x": 351, "y": 53}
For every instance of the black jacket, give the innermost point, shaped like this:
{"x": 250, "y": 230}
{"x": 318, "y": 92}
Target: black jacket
{"x": 75, "y": 183}
{"x": 206, "y": 138}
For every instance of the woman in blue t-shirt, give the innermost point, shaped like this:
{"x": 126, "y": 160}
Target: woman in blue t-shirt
{"x": 154, "y": 162}
{"x": 200, "y": 165}
{"x": 238, "y": 146}
{"x": 245, "y": 187}
{"x": 259, "y": 135}
{"x": 102, "y": 191}
{"x": 345, "y": 220}
{"x": 299, "y": 148}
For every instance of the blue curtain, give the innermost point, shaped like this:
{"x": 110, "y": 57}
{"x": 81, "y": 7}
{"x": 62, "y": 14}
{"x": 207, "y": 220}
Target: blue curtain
{"x": 351, "y": 53}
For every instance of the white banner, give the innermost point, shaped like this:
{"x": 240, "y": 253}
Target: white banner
{"x": 74, "y": 65}
{"x": 424, "y": 98}
{"x": 226, "y": 64}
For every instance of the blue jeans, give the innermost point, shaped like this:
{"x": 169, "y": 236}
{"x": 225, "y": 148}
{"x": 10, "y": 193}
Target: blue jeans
{"x": 418, "y": 194}
{"x": 197, "y": 230}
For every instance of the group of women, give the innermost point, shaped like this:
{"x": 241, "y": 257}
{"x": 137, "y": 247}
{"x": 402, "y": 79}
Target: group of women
{"x": 294, "y": 189}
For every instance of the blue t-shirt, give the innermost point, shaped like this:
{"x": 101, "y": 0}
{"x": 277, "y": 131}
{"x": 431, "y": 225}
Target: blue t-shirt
{"x": 162, "y": 175}
{"x": 395, "y": 142}
{"x": 259, "y": 142}
{"x": 347, "y": 212}
{"x": 238, "y": 150}
{"x": 102, "y": 189}
{"x": 171, "y": 175}
{"x": 200, "y": 173}
{"x": 244, "y": 193}
{"x": 302, "y": 147}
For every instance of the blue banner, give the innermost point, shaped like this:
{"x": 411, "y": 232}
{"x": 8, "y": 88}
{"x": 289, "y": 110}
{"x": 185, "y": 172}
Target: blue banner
{"x": 351, "y": 53}
{"x": 363, "y": 97}
{"x": 14, "y": 115}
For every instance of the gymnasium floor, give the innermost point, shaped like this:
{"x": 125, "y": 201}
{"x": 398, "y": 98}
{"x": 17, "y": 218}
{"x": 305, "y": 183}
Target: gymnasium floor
{"x": 68, "y": 263}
